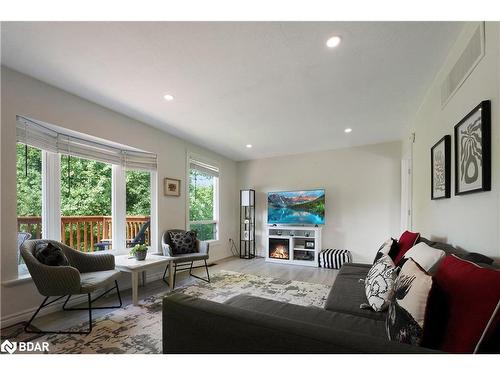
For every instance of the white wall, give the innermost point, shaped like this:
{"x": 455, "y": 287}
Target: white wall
{"x": 24, "y": 95}
{"x": 362, "y": 193}
{"x": 468, "y": 221}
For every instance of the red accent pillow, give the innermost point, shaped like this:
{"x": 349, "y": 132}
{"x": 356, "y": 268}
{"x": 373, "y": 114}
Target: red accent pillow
{"x": 469, "y": 295}
{"x": 406, "y": 242}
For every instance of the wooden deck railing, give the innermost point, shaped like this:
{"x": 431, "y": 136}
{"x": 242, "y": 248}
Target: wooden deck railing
{"x": 83, "y": 232}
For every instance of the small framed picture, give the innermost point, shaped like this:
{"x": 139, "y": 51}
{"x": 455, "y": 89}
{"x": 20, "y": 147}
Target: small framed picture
{"x": 473, "y": 151}
{"x": 171, "y": 187}
{"x": 441, "y": 168}
{"x": 309, "y": 244}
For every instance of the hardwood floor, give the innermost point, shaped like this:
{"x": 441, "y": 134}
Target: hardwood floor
{"x": 257, "y": 266}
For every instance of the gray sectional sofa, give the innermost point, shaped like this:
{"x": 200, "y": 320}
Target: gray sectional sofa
{"x": 248, "y": 324}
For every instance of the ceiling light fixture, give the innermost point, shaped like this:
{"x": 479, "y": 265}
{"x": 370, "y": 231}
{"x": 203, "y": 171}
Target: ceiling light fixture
{"x": 168, "y": 97}
{"x": 249, "y": 146}
{"x": 334, "y": 41}
{"x": 348, "y": 130}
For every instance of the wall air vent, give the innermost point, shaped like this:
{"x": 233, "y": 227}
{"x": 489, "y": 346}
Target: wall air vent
{"x": 468, "y": 60}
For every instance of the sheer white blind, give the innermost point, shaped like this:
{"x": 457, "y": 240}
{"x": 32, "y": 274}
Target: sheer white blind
{"x": 209, "y": 169}
{"x": 44, "y": 137}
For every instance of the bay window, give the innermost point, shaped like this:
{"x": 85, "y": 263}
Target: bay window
{"x": 88, "y": 193}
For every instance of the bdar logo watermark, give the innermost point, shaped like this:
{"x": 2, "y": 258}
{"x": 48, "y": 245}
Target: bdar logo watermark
{"x": 8, "y": 347}
{"x": 11, "y": 347}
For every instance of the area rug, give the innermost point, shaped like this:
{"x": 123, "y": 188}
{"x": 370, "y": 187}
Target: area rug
{"x": 137, "y": 329}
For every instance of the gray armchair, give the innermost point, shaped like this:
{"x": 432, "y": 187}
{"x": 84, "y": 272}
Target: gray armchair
{"x": 85, "y": 274}
{"x": 181, "y": 261}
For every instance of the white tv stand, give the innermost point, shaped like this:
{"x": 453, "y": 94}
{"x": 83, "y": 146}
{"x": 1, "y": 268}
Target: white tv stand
{"x": 293, "y": 238}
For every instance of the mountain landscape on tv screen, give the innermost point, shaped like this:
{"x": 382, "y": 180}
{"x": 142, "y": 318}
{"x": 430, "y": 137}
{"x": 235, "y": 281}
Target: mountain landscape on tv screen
{"x": 296, "y": 207}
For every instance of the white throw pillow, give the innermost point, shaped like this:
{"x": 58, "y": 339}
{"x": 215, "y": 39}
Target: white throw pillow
{"x": 427, "y": 257}
{"x": 379, "y": 283}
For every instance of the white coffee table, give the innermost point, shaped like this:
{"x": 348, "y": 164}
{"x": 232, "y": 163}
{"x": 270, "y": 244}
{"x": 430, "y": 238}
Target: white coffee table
{"x": 128, "y": 263}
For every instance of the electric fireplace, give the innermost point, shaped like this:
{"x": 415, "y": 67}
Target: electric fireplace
{"x": 279, "y": 248}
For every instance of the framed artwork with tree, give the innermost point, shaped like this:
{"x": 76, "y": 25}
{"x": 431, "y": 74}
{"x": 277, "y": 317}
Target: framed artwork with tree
{"x": 441, "y": 168}
{"x": 473, "y": 151}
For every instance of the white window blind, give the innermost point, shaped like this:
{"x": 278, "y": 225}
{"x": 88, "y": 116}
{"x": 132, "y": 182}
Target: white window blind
{"x": 208, "y": 169}
{"x": 54, "y": 139}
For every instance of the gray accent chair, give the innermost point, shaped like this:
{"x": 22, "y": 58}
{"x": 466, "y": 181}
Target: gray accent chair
{"x": 85, "y": 274}
{"x": 182, "y": 261}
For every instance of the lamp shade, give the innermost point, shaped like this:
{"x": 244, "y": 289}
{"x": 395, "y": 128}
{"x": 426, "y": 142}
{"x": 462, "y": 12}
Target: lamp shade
{"x": 247, "y": 197}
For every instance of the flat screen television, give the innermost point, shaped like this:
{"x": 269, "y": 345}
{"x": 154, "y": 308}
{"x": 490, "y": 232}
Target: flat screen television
{"x": 301, "y": 207}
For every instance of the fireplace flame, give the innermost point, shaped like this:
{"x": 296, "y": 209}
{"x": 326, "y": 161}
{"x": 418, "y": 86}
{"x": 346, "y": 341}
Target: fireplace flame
{"x": 280, "y": 252}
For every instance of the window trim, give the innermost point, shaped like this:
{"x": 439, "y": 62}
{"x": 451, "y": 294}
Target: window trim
{"x": 118, "y": 207}
{"x": 51, "y": 195}
{"x": 200, "y": 158}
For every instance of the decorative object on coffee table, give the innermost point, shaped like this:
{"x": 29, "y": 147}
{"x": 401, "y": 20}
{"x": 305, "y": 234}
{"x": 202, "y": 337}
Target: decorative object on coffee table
{"x": 139, "y": 251}
{"x": 441, "y": 168}
{"x": 473, "y": 151}
{"x": 171, "y": 187}
{"x": 247, "y": 224}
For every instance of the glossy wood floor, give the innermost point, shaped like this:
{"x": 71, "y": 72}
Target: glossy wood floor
{"x": 257, "y": 266}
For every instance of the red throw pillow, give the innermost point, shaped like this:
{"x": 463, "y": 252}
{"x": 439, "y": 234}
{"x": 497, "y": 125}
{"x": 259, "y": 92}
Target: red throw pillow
{"x": 468, "y": 295}
{"x": 406, "y": 242}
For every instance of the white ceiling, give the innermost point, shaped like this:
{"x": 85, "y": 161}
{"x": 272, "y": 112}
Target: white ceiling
{"x": 272, "y": 84}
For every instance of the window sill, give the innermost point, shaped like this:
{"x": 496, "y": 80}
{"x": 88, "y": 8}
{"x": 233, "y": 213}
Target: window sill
{"x": 21, "y": 279}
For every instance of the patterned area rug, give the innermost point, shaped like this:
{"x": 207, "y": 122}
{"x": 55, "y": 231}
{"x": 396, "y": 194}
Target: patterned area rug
{"x": 137, "y": 329}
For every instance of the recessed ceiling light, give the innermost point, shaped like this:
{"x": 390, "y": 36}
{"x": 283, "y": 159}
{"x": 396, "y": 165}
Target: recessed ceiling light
{"x": 348, "y": 130}
{"x": 249, "y": 146}
{"x": 168, "y": 97}
{"x": 334, "y": 41}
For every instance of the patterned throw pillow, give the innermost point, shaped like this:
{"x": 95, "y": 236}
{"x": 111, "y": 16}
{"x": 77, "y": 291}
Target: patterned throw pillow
{"x": 389, "y": 247}
{"x": 379, "y": 283}
{"x": 183, "y": 242}
{"x": 405, "y": 319}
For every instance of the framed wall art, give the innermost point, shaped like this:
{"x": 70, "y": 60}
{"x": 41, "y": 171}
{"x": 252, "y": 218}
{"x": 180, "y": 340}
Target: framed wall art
{"x": 473, "y": 151}
{"x": 171, "y": 187}
{"x": 441, "y": 168}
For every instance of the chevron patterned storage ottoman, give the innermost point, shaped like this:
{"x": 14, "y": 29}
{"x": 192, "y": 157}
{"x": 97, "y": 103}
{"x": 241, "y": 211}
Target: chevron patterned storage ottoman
{"x": 333, "y": 258}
